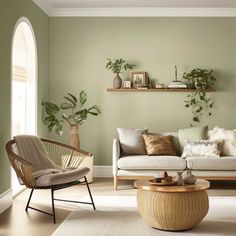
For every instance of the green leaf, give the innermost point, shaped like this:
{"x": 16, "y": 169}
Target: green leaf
{"x": 73, "y": 97}
{"x": 58, "y": 128}
{"x": 50, "y": 108}
{"x": 65, "y": 106}
{"x": 83, "y": 97}
{"x": 71, "y": 101}
{"x": 93, "y": 113}
{"x": 96, "y": 108}
{"x": 49, "y": 119}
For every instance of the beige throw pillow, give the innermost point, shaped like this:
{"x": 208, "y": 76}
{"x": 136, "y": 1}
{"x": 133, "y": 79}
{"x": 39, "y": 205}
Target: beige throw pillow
{"x": 131, "y": 141}
{"x": 228, "y": 138}
{"x": 159, "y": 145}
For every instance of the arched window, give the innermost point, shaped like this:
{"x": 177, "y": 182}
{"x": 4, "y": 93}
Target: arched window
{"x": 24, "y": 83}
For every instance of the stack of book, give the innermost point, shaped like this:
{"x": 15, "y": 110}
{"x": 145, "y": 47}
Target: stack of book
{"x": 177, "y": 84}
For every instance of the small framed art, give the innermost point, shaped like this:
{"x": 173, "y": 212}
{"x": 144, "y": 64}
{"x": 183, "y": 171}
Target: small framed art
{"x": 139, "y": 79}
{"x": 127, "y": 84}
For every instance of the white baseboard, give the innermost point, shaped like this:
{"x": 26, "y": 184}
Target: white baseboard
{"x": 5, "y": 200}
{"x": 103, "y": 171}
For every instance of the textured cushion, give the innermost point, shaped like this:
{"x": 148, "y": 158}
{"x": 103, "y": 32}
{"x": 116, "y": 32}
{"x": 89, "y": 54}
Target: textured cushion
{"x": 202, "y": 148}
{"x": 159, "y": 145}
{"x": 61, "y": 177}
{"x": 175, "y": 140}
{"x": 212, "y": 163}
{"x": 193, "y": 133}
{"x": 131, "y": 141}
{"x": 228, "y": 138}
{"x": 152, "y": 162}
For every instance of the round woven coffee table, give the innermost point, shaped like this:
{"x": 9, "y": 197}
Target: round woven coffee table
{"x": 172, "y": 208}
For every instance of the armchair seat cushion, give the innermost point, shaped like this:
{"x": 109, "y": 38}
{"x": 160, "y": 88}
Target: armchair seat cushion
{"x": 212, "y": 163}
{"x": 61, "y": 177}
{"x": 151, "y": 162}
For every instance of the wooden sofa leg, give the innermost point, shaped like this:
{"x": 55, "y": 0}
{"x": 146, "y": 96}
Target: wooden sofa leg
{"x": 115, "y": 182}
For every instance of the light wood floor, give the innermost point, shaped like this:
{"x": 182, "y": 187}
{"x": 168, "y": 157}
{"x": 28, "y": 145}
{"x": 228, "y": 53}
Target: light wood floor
{"x": 15, "y": 221}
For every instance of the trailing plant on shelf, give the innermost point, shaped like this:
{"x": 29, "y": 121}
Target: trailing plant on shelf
{"x": 71, "y": 111}
{"x": 117, "y": 66}
{"x": 199, "y": 101}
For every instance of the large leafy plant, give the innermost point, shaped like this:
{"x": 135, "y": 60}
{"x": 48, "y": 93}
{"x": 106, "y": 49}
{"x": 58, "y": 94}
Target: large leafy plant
{"x": 118, "y": 65}
{"x": 71, "y": 111}
{"x": 199, "y": 101}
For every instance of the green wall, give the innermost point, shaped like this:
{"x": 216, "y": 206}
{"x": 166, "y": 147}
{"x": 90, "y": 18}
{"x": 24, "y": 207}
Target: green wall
{"x": 10, "y": 12}
{"x": 79, "y": 46}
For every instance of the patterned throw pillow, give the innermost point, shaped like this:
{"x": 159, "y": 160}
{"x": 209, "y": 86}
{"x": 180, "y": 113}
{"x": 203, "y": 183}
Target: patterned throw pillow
{"x": 159, "y": 145}
{"x": 202, "y": 148}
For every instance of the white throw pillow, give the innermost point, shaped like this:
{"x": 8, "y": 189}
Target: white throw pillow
{"x": 228, "y": 139}
{"x": 202, "y": 148}
{"x": 132, "y": 142}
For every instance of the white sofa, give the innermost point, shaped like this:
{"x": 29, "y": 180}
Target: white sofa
{"x": 143, "y": 166}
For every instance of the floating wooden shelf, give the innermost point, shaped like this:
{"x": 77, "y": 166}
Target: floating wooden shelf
{"x": 156, "y": 90}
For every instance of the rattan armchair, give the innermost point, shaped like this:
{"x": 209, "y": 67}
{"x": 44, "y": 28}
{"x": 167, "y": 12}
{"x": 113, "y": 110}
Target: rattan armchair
{"x": 62, "y": 155}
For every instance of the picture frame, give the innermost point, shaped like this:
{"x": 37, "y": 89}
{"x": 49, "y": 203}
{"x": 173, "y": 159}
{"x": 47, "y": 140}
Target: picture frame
{"x": 127, "y": 84}
{"x": 139, "y": 79}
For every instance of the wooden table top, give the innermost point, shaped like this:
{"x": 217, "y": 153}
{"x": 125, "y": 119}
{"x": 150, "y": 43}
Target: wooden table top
{"x": 200, "y": 185}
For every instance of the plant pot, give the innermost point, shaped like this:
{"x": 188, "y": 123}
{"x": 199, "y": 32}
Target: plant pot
{"x": 74, "y": 136}
{"x": 117, "y": 82}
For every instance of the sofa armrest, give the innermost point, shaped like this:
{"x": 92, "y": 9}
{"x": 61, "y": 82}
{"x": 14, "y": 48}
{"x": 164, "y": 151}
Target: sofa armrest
{"x": 115, "y": 155}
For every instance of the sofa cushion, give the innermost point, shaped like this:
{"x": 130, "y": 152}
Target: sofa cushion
{"x": 131, "y": 141}
{"x": 159, "y": 145}
{"x": 193, "y": 133}
{"x": 202, "y": 148}
{"x": 152, "y": 162}
{"x": 212, "y": 163}
{"x": 228, "y": 138}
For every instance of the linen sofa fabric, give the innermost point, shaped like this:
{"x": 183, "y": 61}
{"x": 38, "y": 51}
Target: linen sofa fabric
{"x": 159, "y": 145}
{"x": 131, "y": 141}
{"x": 226, "y": 163}
{"x": 193, "y": 133}
{"x": 140, "y": 162}
{"x": 202, "y": 148}
{"x": 228, "y": 138}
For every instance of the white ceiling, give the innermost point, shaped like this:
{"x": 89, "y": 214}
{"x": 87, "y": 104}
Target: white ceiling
{"x": 137, "y": 7}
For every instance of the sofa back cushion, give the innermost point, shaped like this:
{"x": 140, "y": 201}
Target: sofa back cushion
{"x": 159, "y": 145}
{"x": 191, "y": 134}
{"x": 131, "y": 141}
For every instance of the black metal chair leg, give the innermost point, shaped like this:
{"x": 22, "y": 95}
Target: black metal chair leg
{"x": 53, "y": 208}
{"x": 27, "y": 205}
{"x": 89, "y": 192}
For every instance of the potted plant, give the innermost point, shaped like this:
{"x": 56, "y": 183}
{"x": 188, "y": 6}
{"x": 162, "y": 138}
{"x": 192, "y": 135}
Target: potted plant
{"x": 199, "y": 78}
{"x": 116, "y": 67}
{"x": 198, "y": 101}
{"x": 72, "y": 112}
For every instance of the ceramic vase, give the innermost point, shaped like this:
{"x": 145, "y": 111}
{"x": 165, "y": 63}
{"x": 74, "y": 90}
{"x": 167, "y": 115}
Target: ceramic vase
{"x": 117, "y": 82}
{"x": 179, "y": 179}
{"x": 189, "y": 178}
